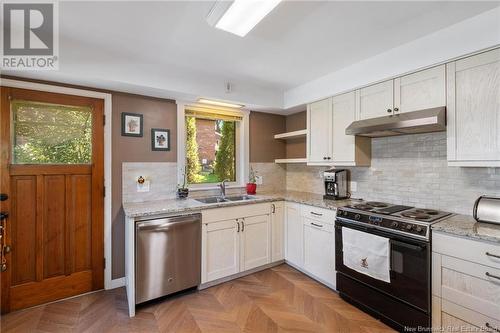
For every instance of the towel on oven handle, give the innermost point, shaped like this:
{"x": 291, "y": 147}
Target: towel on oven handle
{"x": 366, "y": 253}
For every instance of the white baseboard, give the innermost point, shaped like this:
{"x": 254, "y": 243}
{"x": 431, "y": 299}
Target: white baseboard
{"x": 116, "y": 283}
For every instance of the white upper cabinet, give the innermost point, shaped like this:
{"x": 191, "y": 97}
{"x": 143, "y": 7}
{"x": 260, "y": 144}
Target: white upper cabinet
{"x": 473, "y": 110}
{"x": 375, "y": 101}
{"x": 319, "y": 137}
{"x": 348, "y": 150}
{"x": 421, "y": 90}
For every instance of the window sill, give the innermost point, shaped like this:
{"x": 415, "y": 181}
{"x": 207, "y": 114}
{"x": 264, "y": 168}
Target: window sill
{"x": 211, "y": 188}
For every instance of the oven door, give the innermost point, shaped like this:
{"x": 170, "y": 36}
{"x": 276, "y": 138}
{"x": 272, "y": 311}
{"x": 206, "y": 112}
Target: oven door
{"x": 409, "y": 271}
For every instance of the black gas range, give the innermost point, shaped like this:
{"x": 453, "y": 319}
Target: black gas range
{"x": 404, "y": 220}
{"x": 405, "y": 301}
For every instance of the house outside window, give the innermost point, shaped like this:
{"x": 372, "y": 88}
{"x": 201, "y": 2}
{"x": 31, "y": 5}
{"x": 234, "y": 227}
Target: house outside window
{"x": 213, "y": 146}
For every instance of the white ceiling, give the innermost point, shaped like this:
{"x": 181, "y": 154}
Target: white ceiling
{"x": 168, "y": 49}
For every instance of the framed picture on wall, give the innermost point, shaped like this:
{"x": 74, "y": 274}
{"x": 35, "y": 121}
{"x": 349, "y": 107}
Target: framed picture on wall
{"x": 132, "y": 124}
{"x": 160, "y": 139}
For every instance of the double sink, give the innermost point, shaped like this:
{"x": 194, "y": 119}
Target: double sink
{"x": 211, "y": 200}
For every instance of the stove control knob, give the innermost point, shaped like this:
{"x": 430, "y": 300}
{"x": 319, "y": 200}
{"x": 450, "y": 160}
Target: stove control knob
{"x": 345, "y": 213}
{"x": 394, "y": 224}
{"x": 419, "y": 229}
{"x": 357, "y": 217}
{"x": 408, "y": 227}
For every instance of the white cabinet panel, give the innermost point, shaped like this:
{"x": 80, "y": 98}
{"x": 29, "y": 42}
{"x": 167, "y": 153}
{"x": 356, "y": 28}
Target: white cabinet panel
{"x": 255, "y": 242}
{"x": 421, "y": 90}
{"x": 220, "y": 254}
{"x": 294, "y": 235}
{"x": 278, "y": 231}
{"x": 347, "y": 150}
{"x": 473, "y": 110}
{"x": 319, "y": 250}
{"x": 375, "y": 101}
{"x": 319, "y": 126}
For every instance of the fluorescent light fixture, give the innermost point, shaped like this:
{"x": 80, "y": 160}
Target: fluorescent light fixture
{"x": 240, "y": 16}
{"x": 219, "y": 103}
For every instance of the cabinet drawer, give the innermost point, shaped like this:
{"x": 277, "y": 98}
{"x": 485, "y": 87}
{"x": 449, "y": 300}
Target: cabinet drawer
{"x": 320, "y": 225}
{"x": 318, "y": 214}
{"x": 235, "y": 212}
{"x": 473, "y": 318}
{"x": 472, "y": 285}
{"x": 483, "y": 253}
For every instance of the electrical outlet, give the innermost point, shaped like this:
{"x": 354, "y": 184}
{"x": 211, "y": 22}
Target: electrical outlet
{"x": 354, "y": 186}
{"x": 258, "y": 180}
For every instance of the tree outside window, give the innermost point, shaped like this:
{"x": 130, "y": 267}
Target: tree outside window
{"x": 210, "y": 150}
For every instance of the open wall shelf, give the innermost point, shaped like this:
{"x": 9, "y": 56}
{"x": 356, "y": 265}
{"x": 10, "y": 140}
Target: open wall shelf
{"x": 290, "y": 160}
{"x": 291, "y": 135}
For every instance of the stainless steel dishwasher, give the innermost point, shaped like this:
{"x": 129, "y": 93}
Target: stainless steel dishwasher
{"x": 167, "y": 256}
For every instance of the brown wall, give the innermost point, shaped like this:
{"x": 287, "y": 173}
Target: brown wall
{"x": 296, "y": 148}
{"x": 263, "y": 146}
{"x": 157, "y": 113}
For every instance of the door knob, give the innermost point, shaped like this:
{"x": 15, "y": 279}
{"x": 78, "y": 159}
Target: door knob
{"x": 3, "y": 215}
{"x": 3, "y": 196}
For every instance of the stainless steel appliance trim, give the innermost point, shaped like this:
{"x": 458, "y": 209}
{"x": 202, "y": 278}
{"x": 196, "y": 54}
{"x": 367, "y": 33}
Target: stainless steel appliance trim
{"x": 429, "y": 120}
{"x": 402, "y": 233}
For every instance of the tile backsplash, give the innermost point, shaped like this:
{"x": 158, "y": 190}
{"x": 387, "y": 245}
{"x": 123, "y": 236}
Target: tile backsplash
{"x": 161, "y": 175}
{"x": 409, "y": 170}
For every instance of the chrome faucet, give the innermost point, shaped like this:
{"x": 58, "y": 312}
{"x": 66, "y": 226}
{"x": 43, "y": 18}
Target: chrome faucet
{"x": 222, "y": 186}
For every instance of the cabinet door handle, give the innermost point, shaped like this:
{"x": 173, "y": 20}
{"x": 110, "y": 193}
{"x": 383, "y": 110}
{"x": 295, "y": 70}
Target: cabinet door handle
{"x": 491, "y": 327}
{"x": 389, "y": 110}
{"x": 238, "y": 223}
{"x": 242, "y": 225}
{"x": 273, "y": 208}
{"x": 488, "y": 274}
{"x": 492, "y": 255}
{"x": 396, "y": 109}
{"x": 317, "y": 225}
{"x": 317, "y": 214}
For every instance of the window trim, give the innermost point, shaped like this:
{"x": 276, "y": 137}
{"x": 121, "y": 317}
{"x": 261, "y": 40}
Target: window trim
{"x": 242, "y": 150}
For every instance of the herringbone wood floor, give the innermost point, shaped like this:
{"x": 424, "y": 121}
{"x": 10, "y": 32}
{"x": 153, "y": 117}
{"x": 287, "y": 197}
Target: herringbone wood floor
{"x": 279, "y": 299}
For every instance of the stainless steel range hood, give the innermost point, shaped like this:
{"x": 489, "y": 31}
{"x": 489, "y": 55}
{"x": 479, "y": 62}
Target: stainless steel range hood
{"x": 424, "y": 121}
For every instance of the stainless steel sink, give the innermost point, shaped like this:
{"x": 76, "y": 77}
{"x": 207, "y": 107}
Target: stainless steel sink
{"x": 210, "y": 200}
{"x": 240, "y": 197}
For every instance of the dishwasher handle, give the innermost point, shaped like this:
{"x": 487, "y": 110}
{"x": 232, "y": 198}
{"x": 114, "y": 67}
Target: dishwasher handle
{"x": 167, "y": 223}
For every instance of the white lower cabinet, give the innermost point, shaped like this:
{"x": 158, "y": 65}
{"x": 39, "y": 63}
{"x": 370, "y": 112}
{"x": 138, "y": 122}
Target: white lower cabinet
{"x": 240, "y": 242}
{"x": 319, "y": 251}
{"x": 278, "y": 231}
{"x": 465, "y": 283}
{"x": 255, "y": 240}
{"x": 221, "y": 254}
{"x": 294, "y": 231}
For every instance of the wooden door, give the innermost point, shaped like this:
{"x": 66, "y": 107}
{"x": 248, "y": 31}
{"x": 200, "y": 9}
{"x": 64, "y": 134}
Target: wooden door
{"x": 220, "y": 250}
{"x": 52, "y": 171}
{"x": 375, "y": 101}
{"x": 278, "y": 231}
{"x": 255, "y": 240}
{"x": 294, "y": 241}
{"x": 473, "y": 110}
{"x": 319, "y": 125}
{"x": 421, "y": 90}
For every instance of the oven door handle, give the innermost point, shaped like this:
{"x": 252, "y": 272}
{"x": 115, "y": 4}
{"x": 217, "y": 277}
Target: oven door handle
{"x": 407, "y": 245}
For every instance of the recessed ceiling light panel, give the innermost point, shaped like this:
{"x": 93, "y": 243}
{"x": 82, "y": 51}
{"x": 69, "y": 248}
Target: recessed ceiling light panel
{"x": 219, "y": 103}
{"x": 240, "y": 16}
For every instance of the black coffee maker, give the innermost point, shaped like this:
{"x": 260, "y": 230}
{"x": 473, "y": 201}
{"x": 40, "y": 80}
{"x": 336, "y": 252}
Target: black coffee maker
{"x": 336, "y": 184}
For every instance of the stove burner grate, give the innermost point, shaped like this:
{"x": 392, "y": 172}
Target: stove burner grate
{"x": 427, "y": 211}
{"x": 363, "y": 207}
{"x": 377, "y": 204}
{"x": 416, "y": 215}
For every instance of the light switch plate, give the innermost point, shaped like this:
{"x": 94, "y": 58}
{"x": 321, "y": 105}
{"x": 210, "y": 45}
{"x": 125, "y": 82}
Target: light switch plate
{"x": 258, "y": 180}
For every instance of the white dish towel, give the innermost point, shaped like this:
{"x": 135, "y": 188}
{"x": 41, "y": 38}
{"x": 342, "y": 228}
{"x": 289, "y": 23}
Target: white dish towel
{"x": 366, "y": 253}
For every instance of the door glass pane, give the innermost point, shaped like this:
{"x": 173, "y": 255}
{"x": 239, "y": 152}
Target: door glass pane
{"x": 51, "y": 133}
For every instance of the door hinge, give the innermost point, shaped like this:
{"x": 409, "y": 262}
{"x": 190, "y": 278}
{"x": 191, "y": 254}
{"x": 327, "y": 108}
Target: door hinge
{"x": 104, "y": 263}
{"x": 104, "y": 191}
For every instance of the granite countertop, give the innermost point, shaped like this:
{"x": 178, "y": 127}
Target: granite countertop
{"x": 466, "y": 226}
{"x": 174, "y": 206}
